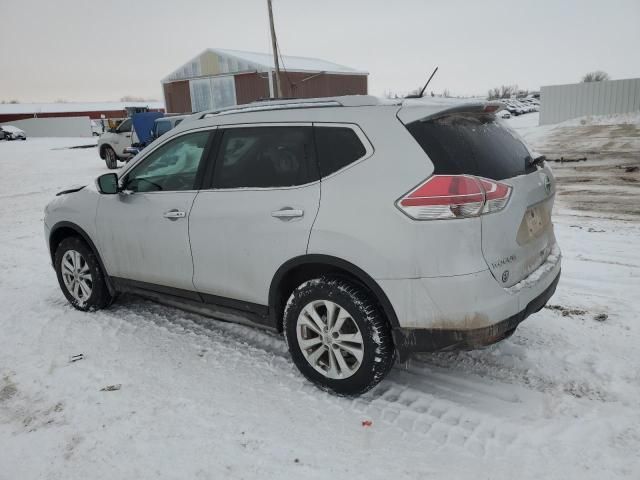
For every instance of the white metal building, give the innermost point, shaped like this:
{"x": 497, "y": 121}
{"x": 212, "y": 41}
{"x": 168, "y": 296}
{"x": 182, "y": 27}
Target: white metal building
{"x": 563, "y": 102}
{"x": 219, "y": 78}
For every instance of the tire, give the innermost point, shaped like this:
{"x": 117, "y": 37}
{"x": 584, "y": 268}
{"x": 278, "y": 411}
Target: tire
{"x": 357, "y": 314}
{"x": 74, "y": 252}
{"x": 110, "y": 158}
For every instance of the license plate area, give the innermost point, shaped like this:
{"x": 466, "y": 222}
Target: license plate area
{"x": 535, "y": 222}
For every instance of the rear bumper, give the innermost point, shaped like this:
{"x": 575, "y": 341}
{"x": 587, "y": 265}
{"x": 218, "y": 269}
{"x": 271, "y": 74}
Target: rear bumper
{"x": 413, "y": 340}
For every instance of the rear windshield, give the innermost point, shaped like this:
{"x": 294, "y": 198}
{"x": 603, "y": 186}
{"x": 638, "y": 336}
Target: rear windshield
{"x": 472, "y": 144}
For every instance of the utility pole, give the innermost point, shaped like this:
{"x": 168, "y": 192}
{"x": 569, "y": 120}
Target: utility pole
{"x": 274, "y": 46}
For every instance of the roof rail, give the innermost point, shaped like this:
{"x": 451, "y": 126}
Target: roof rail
{"x": 279, "y": 104}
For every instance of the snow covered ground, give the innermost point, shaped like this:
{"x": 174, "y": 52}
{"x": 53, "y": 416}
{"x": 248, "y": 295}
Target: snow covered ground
{"x": 205, "y": 399}
{"x": 602, "y": 174}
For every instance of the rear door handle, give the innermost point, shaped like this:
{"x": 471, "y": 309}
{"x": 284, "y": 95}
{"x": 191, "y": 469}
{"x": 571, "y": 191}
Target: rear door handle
{"x": 174, "y": 214}
{"x": 287, "y": 213}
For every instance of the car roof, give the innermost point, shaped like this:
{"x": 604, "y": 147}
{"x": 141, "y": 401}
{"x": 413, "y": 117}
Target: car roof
{"x": 337, "y": 109}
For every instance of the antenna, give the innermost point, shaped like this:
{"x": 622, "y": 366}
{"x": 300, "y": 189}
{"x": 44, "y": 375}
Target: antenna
{"x": 274, "y": 45}
{"x": 421, "y": 94}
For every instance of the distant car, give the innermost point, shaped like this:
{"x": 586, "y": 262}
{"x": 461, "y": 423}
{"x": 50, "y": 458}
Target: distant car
{"x": 160, "y": 127}
{"x": 526, "y": 106}
{"x": 164, "y": 124}
{"x": 532, "y": 103}
{"x": 13, "y": 133}
{"x": 113, "y": 142}
{"x": 504, "y": 113}
{"x": 513, "y": 109}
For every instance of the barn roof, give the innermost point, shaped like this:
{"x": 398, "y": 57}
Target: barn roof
{"x": 219, "y": 61}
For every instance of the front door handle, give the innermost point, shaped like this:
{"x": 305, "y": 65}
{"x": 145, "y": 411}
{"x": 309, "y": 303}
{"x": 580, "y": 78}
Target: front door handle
{"x": 174, "y": 214}
{"x": 287, "y": 213}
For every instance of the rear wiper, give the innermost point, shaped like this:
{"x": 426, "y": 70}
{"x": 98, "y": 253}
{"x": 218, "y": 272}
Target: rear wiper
{"x": 536, "y": 162}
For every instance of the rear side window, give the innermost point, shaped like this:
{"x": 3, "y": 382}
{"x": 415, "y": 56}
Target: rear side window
{"x": 265, "y": 157}
{"x": 472, "y": 144}
{"x": 337, "y": 147}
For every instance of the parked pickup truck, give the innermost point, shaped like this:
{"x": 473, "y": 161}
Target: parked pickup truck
{"x": 113, "y": 142}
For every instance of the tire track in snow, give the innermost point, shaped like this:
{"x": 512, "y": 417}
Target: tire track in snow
{"x": 417, "y": 399}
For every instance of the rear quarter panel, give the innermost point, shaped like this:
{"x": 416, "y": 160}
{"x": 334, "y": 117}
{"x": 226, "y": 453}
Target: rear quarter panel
{"x": 359, "y": 222}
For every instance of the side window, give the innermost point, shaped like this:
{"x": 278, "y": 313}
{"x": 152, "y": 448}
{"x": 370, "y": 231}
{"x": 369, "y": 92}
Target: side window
{"x": 337, "y": 147}
{"x": 162, "y": 127}
{"x": 172, "y": 167}
{"x": 263, "y": 157}
{"x": 125, "y": 126}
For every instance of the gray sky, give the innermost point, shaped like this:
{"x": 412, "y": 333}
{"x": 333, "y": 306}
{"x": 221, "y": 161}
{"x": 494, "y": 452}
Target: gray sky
{"x": 81, "y": 50}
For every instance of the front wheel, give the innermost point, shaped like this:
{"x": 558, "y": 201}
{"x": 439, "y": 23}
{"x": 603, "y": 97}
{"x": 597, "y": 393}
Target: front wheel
{"x": 337, "y": 336}
{"x": 110, "y": 158}
{"x": 80, "y": 276}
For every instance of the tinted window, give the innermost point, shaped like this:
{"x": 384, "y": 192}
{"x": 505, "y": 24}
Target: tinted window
{"x": 162, "y": 127}
{"x": 472, "y": 144}
{"x": 262, "y": 157}
{"x": 125, "y": 126}
{"x": 337, "y": 147}
{"x": 171, "y": 167}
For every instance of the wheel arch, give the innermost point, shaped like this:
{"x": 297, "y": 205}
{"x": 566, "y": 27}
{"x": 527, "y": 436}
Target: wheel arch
{"x": 305, "y": 267}
{"x": 103, "y": 148}
{"x": 64, "y": 229}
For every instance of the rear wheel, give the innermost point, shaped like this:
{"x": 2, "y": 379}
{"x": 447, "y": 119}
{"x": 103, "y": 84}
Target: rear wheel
{"x": 110, "y": 158}
{"x": 337, "y": 336}
{"x": 80, "y": 276}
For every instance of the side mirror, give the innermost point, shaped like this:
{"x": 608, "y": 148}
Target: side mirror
{"x": 108, "y": 183}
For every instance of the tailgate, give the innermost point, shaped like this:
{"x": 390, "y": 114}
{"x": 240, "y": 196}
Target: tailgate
{"x": 518, "y": 239}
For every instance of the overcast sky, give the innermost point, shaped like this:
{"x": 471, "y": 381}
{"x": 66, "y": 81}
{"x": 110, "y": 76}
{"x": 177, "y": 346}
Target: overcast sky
{"x": 82, "y": 50}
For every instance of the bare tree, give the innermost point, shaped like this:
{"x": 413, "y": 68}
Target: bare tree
{"x": 494, "y": 93}
{"x": 504, "y": 91}
{"x": 133, "y": 98}
{"x": 597, "y": 76}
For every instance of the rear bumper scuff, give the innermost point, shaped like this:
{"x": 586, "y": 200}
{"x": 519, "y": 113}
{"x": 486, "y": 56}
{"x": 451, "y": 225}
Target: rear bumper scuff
{"x": 414, "y": 340}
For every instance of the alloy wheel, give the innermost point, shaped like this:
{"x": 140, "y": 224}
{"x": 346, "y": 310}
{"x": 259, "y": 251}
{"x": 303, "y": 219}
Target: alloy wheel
{"x": 77, "y": 275}
{"x": 330, "y": 339}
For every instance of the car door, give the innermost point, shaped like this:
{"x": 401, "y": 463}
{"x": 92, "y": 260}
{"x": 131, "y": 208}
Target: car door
{"x": 122, "y": 137}
{"x": 258, "y": 211}
{"x": 143, "y": 231}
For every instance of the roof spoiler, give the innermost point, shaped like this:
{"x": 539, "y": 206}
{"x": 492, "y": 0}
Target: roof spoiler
{"x": 431, "y": 112}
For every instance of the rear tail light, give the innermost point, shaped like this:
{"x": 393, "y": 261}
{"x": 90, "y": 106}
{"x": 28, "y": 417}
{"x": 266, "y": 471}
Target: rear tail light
{"x": 454, "y": 196}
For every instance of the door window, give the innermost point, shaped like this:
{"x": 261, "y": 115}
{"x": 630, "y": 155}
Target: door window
{"x": 265, "y": 157}
{"x": 125, "y": 126}
{"x": 172, "y": 167}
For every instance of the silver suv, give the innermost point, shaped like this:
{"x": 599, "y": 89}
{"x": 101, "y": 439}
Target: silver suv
{"x": 364, "y": 231}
